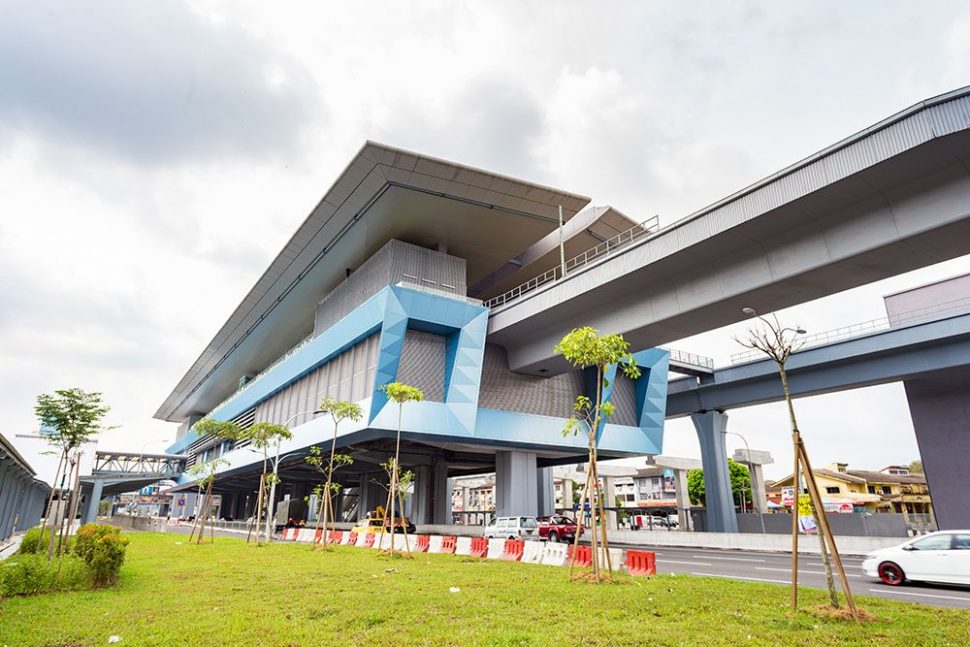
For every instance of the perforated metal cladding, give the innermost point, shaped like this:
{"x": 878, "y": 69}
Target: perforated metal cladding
{"x": 423, "y": 364}
{"x": 502, "y": 389}
{"x": 395, "y": 262}
{"x": 624, "y": 398}
{"x": 349, "y": 376}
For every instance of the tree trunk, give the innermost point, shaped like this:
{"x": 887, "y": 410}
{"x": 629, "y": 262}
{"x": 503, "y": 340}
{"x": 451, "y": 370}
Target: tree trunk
{"x": 61, "y": 464}
{"x": 579, "y": 521}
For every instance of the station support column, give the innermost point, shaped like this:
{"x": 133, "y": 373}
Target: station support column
{"x": 711, "y": 429}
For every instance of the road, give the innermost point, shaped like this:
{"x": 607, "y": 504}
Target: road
{"x": 775, "y": 568}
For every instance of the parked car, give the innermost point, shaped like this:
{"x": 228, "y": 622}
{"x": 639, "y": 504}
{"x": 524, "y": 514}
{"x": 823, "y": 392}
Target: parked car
{"x": 557, "y": 528}
{"x": 936, "y": 557}
{"x": 512, "y": 528}
{"x": 645, "y": 521}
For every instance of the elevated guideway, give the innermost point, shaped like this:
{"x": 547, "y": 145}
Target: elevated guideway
{"x": 889, "y": 199}
{"x": 928, "y": 350}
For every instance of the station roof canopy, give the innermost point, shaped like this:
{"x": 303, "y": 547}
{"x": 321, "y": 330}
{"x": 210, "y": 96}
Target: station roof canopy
{"x": 385, "y": 193}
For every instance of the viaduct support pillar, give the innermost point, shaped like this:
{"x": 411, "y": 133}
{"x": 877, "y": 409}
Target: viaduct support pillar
{"x": 516, "y": 478}
{"x": 940, "y": 409}
{"x": 546, "y": 490}
{"x": 440, "y": 494}
{"x": 719, "y": 502}
{"x": 91, "y": 511}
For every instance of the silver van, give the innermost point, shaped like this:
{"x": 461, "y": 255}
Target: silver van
{"x": 511, "y": 528}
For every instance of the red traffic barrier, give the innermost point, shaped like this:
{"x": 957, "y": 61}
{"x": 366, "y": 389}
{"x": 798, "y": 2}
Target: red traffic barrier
{"x": 352, "y": 540}
{"x": 422, "y": 544}
{"x": 334, "y": 536}
{"x": 369, "y": 540}
{"x": 318, "y": 536}
{"x": 513, "y": 550}
{"x": 641, "y": 562}
{"x": 479, "y": 547}
{"x": 581, "y": 555}
{"x": 449, "y": 544}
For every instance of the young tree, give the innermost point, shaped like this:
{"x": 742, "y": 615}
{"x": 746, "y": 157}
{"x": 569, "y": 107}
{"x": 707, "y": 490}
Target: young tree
{"x": 339, "y": 411}
{"x": 205, "y": 474}
{"x": 401, "y": 394}
{"x": 262, "y": 435}
{"x": 778, "y": 343}
{"x": 740, "y": 484}
{"x": 74, "y": 417}
{"x": 585, "y": 348}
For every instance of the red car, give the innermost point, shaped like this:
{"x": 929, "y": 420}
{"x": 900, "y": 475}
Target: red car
{"x": 557, "y": 528}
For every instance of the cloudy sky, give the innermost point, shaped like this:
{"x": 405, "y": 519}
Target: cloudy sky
{"x": 155, "y": 156}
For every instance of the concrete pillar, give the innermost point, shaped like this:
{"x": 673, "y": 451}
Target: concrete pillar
{"x": 6, "y": 495}
{"x": 719, "y": 503}
{"x": 91, "y": 511}
{"x": 684, "y": 520}
{"x": 754, "y": 460}
{"x": 546, "y": 491}
{"x": 440, "y": 494}
{"x": 515, "y": 484}
{"x": 609, "y": 500}
{"x": 941, "y": 419}
{"x": 419, "y": 503}
{"x": 566, "y": 493}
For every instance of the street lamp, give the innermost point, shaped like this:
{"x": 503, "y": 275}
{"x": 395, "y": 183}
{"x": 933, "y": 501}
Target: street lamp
{"x": 271, "y": 503}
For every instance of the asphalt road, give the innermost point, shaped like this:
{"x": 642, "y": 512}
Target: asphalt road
{"x": 775, "y": 568}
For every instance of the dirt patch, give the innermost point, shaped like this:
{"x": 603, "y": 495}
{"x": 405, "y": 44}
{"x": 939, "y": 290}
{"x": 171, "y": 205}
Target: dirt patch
{"x": 826, "y": 612}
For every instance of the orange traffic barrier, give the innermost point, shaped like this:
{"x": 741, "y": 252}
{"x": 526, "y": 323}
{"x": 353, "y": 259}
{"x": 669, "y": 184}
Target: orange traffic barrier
{"x": 641, "y": 562}
{"x": 581, "y": 555}
{"x": 422, "y": 544}
{"x": 479, "y": 547}
{"x": 334, "y": 536}
{"x": 352, "y": 540}
{"x": 318, "y": 536}
{"x": 513, "y": 550}
{"x": 448, "y": 544}
{"x": 369, "y": 540}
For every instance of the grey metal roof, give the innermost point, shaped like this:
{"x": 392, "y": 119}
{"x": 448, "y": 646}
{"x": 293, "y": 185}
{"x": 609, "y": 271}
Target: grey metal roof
{"x": 397, "y": 194}
{"x": 7, "y": 447}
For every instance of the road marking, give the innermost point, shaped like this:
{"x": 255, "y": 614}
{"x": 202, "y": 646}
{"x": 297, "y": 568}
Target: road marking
{"x": 730, "y": 559}
{"x": 738, "y": 577}
{"x": 800, "y": 572}
{"x": 674, "y": 561}
{"x": 921, "y": 595}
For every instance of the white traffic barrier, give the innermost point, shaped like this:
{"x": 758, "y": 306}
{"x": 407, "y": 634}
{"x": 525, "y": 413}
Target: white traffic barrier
{"x": 616, "y": 558}
{"x": 555, "y": 554}
{"x": 306, "y": 535}
{"x": 382, "y": 541}
{"x": 532, "y": 552}
{"x": 345, "y": 538}
{"x": 463, "y": 546}
{"x": 412, "y": 543}
{"x": 434, "y": 543}
{"x": 496, "y": 548}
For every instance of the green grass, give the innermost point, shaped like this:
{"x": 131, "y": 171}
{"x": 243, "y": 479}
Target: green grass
{"x": 231, "y": 593}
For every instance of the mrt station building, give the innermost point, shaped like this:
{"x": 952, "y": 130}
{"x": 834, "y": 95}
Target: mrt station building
{"x": 389, "y": 279}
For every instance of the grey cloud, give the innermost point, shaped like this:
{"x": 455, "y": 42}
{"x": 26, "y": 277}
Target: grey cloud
{"x": 490, "y": 124}
{"x": 153, "y": 82}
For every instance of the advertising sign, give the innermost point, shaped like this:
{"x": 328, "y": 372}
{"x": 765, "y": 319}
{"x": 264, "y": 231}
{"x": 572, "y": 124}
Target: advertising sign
{"x": 787, "y": 496}
{"x": 806, "y": 522}
{"x": 668, "y": 480}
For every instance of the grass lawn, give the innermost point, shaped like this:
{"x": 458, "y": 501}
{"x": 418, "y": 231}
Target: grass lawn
{"x": 231, "y": 593}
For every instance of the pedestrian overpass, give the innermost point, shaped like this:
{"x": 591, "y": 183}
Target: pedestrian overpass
{"x": 119, "y": 472}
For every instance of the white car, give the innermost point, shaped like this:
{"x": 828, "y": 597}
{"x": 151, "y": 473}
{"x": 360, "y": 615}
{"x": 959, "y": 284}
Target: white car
{"x": 511, "y": 528}
{"x": 937, "y": 557}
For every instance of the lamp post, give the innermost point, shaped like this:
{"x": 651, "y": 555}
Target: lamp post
{"x": 271, "y": 503}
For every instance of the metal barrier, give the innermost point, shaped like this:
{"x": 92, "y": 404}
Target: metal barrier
{"x": 603, "y": 250}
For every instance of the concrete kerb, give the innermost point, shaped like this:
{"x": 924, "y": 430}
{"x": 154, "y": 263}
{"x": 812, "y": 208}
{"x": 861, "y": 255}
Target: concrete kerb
{"x": 857, "y": 546}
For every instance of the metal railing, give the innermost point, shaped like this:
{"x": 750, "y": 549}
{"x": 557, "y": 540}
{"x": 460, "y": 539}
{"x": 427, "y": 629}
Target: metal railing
{"x": 437, "y": 288}
{"x": 282, "y": 358}
{"x": 604, "y": 249}
{"x": 690, "y": 359}
{"x": 900, "y": 320}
